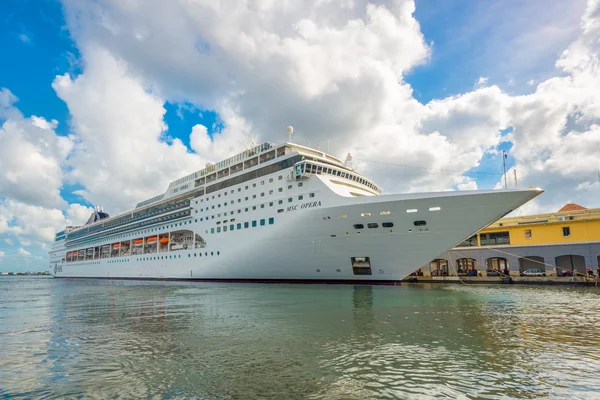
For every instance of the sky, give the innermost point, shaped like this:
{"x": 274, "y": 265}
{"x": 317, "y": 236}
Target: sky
{"x": 106, "y": 102}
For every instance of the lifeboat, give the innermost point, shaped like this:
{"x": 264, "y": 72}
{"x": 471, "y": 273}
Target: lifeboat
{"x": 151, "y": 239}
{"x": 138, "y": 242}
{"x": 164, "y": 240}
{"x": 116, "y": 245}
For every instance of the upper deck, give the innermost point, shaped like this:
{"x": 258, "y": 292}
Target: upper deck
{"x": 259, "y": 160}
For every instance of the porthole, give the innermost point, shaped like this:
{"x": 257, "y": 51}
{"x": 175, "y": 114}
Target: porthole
{"x": 372, "y": 225}
{"x": 365, "y": 214}
{"x": 359, "y": 226}
{"x": 412, "y": 210}
{"x": 420, "y": 223}
{"x": 435, "y": 208}
{"x": 385, "y": 213}
{"x": 388, "y": 224}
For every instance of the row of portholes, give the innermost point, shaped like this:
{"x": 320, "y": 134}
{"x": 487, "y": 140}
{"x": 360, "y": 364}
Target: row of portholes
{"x": 117, "y": 261}
{"x": 158, "y": 258}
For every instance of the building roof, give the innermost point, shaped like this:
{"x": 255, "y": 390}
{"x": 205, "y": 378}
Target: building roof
{"x": 571, "y": 207}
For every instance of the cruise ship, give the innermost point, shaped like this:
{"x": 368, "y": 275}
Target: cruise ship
{"x": 277, "y": 213}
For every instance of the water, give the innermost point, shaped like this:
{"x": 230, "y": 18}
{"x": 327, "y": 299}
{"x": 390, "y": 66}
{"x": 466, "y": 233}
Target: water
{"x": 123, "y": 339}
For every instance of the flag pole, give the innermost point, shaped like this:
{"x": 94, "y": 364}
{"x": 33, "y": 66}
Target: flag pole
{"x": 504, "y": 163}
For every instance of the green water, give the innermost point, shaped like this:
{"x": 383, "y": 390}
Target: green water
{"x": 111, "y": 339}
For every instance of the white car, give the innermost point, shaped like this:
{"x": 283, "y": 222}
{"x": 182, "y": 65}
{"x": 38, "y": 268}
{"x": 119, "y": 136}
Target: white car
{"x": 533, "y": 272}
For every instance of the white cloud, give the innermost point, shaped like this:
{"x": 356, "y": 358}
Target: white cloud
{"x": 121, "y": 155}
{"x": 23, "y": 252}
{"x": 482, "y": 81}
{"x": 9, "y": 242}
{"x": 24, "y": 38}
{"x": 2, "y": 254}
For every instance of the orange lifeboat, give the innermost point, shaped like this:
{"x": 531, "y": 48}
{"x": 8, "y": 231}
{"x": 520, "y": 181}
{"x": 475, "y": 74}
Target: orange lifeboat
{"x": 164, "y": 240}
{"x": 151, "y": 239}
{"x": 138, "y": 241}
{"x": 116, "y": 245}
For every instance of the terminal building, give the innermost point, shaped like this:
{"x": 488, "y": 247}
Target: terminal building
{"x": 564, "y": 243}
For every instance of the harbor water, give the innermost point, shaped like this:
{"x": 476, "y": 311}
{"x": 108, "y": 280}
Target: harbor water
{"x": 63, "y": 338}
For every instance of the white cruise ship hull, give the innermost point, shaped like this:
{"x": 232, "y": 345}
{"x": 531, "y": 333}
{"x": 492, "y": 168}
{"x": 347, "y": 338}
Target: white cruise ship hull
{"x": 315, "y": 240}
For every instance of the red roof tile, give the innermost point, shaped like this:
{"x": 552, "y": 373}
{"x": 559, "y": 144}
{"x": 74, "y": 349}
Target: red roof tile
{"x": 572, "y": 207}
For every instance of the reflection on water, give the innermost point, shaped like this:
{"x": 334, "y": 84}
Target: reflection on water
{"x": 105, "y": 339}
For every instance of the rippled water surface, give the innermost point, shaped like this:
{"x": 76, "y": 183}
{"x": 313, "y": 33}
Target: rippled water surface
{"x": 111, "y": 339}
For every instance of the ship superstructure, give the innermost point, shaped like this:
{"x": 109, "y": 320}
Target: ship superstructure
{"x": 277, "y": 213}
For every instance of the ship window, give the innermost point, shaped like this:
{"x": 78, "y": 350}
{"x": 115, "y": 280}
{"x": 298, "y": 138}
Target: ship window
{"x": 365, "y": 214}
{"x": 280, "y": 190}
{"x": 300, "y": 184}
{"x": 231, "y": 227}
{"x": 218, "y": 222}
{"x": 420, "y": 223}
{"x": 271, "y": 204}
{"x": 280, "y": 177}
{"x": 270, "y": 192}
{"x": 246, "y": 187}
{"x": 280, "y": 202}
{"x": 358, "y": 226}
{"x": 326, "y": 218}
{"x": 300, "y": 197}
{"x": 262, "y": 206}
{"x": 239, "y": 200}
{"x": 270, "y": 180}
{"x": 254, "y": 224}
{"x": 311, "y": 195}
{"x": 218, "y": 229}
{"x": 254, "y": 185}
{"x": 246, "y": 209}
{"x": 245, "y": 224}
{"x": 262, "y": 182}
{"x": 253, "y": 196}
{"x": 435, "y": 208}
{"x": 262, "y": 195}
{"x": 239, "y": 211}
{"x": 384, "y": 213}
{"x": 212, "y": 230}
{"x": 254, "y": 207}
{"x": 262, "y": 222}
{"x": 239, "y": 226}
{"x": 372, "y": 225}
{"x": 412, "y": 210}
{"x": 343, "y": 216}
{"x": 246, "y": 198}
{"x": 388, "y": 224}
{"x": 280, "y": 210}
{"x": 289, "y": 187}
{"x": 290, "y": 200}
{"x": 271, "y": 221}
{"x": 224, "y": 228}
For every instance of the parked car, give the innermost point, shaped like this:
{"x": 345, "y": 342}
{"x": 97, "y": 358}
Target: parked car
{"x": 533, "y": 272}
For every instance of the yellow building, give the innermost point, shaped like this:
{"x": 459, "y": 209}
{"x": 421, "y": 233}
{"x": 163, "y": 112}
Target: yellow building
{"x": 566, "y": 242}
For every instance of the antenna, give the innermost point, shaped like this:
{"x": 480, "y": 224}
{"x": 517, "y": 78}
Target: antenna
{"x": 504, "y": 155}
{"x": 290, "y": 131}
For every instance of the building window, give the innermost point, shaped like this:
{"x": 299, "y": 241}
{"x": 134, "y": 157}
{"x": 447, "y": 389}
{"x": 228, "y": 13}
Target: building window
{"x": 566, "y": 231}
{"x": 527, "y": 233}
{"x": 271, "y": 221}
{"x": 494, "y": 238}
{"x": 472, "y": 241}
{"x": 311, "y": 195}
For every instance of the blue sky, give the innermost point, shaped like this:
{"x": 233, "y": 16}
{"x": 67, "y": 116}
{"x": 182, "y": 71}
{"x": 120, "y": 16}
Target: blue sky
{"x": 481, "y": 65}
